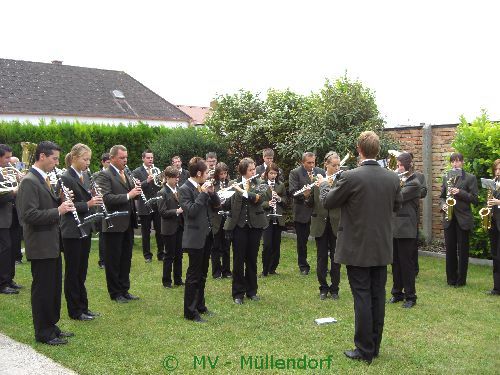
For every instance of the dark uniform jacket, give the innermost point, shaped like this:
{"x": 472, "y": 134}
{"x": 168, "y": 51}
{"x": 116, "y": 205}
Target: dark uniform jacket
{"x": 320, "y": 213}
{"x": 6, "y": 206}
{"x": 150, "y": 190}
{"x": 114, "y": 194}
{"x": 405, "y": 222}
{"x": 467, "y": 183}
{"x": 297, "y": 179}
{"x": 37, "y": 210}
{"x": 167, "y": 207}
{"x": 367, "y": 196}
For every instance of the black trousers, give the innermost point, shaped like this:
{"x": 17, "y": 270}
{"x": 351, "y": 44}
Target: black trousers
{"x": 403, "y": 268}
{"x": 101, "y": 247}
{"x": 6, "y": 258}
{"x": 246, "y": 243}
{"x": 495, "y": 254}
{"x": 457, "y": 244}
{"x": 302, "y": 231}
{"x": 196, "y": 278}
{"x": 146, "y": 234}
{"x": 76, "y": 261}
{"x": 221, "y": 256}
{"x": 415, "y": 256}
{"x": 16, "y": 236}
{"x": 325, "y": 246}
{"x": 46, "y": 297}
{"x": 118, "y": 258}
{"x": 271, "y": 244}
{"x": 368, "y": 290}
{"x": 172, "y": 258}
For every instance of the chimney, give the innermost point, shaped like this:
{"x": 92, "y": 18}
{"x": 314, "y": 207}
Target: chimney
{"x": 56, "y": 62}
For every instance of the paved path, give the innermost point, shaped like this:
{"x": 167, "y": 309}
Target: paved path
{"x": 21, "y": 359}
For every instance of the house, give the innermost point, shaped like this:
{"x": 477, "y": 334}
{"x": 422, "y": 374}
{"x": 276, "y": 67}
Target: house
{"x": 32, "y": 91}
{"x": 198, "y": 114}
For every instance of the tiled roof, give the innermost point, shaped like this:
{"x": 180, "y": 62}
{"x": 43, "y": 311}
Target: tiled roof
{"x": 54, "y": 89}
{"x": 198, "y": 114}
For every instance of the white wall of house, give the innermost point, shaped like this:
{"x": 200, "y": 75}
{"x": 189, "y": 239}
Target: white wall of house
{"x": 35, "y": 119}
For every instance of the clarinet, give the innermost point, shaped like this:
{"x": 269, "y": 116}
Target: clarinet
{"x": 97, "y": 191}
{"x": 67, "y": 195}
{"x": 137, "y": 183}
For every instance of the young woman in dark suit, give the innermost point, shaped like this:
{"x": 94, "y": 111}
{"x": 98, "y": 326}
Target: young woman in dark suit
{"x": 172, "y": 224}
{"x": 246, "y": 223}
{"x": 76, "y": 248}
{"x": 275, "y": 198}
{"x": 221, "y": 257}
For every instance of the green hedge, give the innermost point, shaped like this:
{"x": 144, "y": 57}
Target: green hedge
{"x": 165, "y": 142}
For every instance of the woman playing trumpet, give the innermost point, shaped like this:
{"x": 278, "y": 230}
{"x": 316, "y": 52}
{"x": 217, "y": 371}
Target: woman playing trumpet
{"x": 245, "y": 224}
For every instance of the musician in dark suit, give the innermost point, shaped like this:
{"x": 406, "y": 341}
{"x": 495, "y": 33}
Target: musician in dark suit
{"x": 196, "y": 198}
{"x": 76, "y": 248}
{"x": 98, "y": 224}
{"x": 221, "y": 257}
{"x": 423, "y": 193}
{"x": 268, "y": 157}
{"x": 494, "y": 232}
{"x": 367, "y": 196}
{"x": 298, "y": 178}
{"x": 274, "y": 202}
{"x": 405, "y": 225}
{"x": 183, "y": 174}
{"x": 457, "y": 230}
{"x": 211, "y": 160}
{"x": 118, "y": 192}
{"x": 144, "y": 174}
{"x": 172, "y": 223}
{"x": 324, "y": 227}
{"x": 245, "y": 223}
{"x": 39, "y": 212}
{"x": 8, "y": 228}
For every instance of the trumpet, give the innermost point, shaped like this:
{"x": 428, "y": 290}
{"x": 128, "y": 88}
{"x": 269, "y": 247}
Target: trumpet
{"x": 10, "y": 179}
{"x": 332, "y": 177}
{"x": 157, "y": 176}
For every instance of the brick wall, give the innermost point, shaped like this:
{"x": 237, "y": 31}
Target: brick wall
{"x": 410, "y": 139}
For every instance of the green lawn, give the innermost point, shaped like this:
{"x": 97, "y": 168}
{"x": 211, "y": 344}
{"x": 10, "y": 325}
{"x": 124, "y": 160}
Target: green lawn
{"x": 449, "y": 331}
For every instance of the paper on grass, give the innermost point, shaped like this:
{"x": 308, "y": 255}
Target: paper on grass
{"x": 328, "y": 320}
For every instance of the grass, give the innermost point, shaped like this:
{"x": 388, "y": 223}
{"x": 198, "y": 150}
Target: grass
{"x": 449, "y": 331}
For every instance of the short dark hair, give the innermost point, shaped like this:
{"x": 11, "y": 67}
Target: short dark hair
{"x": 272, "y": 167}
{"x": 456, "y": 156}
{"x": 175, "y": 157}
{"x": 244, "y": 164}
{"x": 4, "y": 149}
{"x": 105, "y": 157}
{"x": 211, "y": 155}
{"x": 196, "y": 164}
{"x": 47, "y": 148}
{"x": 406, "y": 161}
{"x": 146, "y": 151}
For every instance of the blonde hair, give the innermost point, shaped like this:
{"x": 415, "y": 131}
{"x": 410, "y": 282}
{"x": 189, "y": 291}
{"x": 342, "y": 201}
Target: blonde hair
{"x": 369, "y": 144}
{"x": 78, "y": 150}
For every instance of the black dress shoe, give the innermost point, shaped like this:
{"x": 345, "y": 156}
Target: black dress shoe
{"x": 409, "y": 304}
{"x": 322, "y": 296}
{"x": 100, "y": 264}
{"x": 493, "y": 292}
{"x": 19, "y": 262}
{"x": 147, "y": 260}
{"x": 84, "y": 317}
{"x": 167, "y": 285}
{"x": 335, "y": 296}
{"x": 356, "y": 354}
{"x": 228, "y": 275}
{"x": 8, "y": 290}
{"x": 120, "y": 299}
{"x": 304, "y": 272}
{"x": 238, "y": 301}
{"x": 56, "y": 341}
{"x": 179, "y": 283}
{"x": 130, "y": 297}
{"x": 15, "y": 285}
{"x": 395, "y": 299}
{"x": 65, "y": 334}
{"x": 92, "y": 313}
{"x": 208, "y": 313}
{"x": 217, "y": 277}
{"x": 273, "y": 273}
{"x": 199, "y": 319}
{"x": 254, "y": 298}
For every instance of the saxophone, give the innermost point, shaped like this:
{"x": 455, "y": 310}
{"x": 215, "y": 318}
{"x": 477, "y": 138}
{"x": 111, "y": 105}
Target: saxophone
{"x": 486, "y": 213}
{"x": 450, "y": 201}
